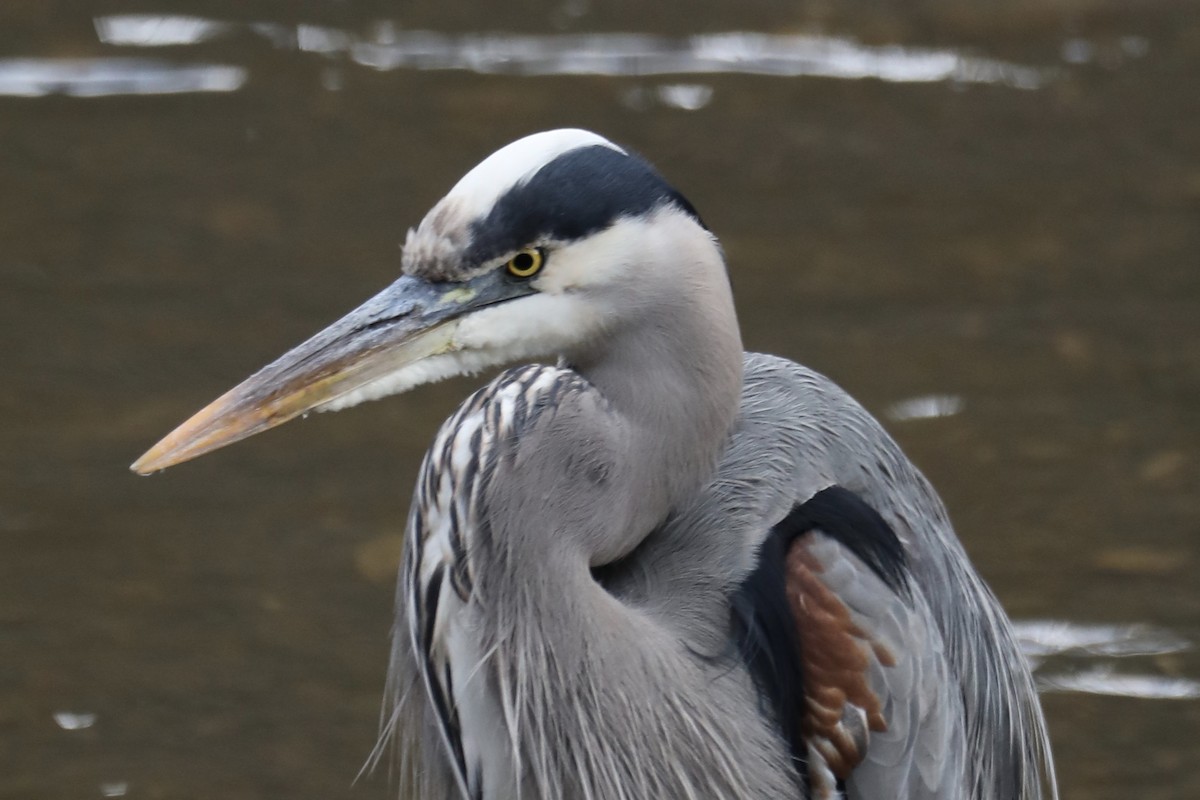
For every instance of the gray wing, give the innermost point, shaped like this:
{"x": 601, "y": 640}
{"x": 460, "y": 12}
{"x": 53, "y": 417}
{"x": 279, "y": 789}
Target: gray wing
{"x": 882, "y": 718}
{"x": 799, "y": 434}
{"x": 845, "y": 651}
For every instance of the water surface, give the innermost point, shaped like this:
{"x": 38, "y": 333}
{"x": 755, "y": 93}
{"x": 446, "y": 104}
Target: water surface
{"x": 984, "y": 221}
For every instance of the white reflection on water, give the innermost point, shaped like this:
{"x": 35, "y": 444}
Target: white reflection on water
{"x": 640, "y": 54}
{"x": 74, "y": 720}
{"x": 1103, "y": 680}
{"x": 102, "y": 77}
{"x": 152, "y": 30}
{"x": 315, "y": 39}
{"x": 1044, "y": 638}
{"x": 925, "y": 407}
{"x": 390, "y": 48}
{"x": 685, "y": 96}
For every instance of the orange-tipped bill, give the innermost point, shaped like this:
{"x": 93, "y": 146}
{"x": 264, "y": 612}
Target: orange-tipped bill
{"x": 409, "y": 321}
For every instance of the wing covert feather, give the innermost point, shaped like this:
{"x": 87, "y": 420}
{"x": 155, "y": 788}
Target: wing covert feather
{"x": 848, "y": 656}
{"x": 891, "y": 721}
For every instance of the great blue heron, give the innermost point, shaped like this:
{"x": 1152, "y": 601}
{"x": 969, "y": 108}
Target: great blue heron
{"x": 663, "y": 568}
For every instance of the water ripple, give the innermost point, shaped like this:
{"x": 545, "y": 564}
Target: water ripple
{"x": 1075, "y": 648}
{"x": 1104, "y": 680}
{"x": 103, "y": 77}
{"x": 925, "y": 407}
{"x": 616, "y": 54}
{"x": 151, "y": 30}
{"x": 74, "y": 720}
{"x": 1045, "y": 638}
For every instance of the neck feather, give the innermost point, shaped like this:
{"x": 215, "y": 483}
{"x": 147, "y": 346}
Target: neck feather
{"x": 672, "y": 369}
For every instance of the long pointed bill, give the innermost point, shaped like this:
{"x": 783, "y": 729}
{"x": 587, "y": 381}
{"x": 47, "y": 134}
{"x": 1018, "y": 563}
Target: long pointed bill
{"x": 409, "y": 321}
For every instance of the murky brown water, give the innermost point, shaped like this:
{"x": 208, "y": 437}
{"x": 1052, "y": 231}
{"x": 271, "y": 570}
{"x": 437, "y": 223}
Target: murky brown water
{"x": 1020, "y": 240}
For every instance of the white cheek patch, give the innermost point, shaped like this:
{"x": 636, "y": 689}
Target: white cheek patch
{"x": 533, "y": 326}
{"x": 536, "y": 326}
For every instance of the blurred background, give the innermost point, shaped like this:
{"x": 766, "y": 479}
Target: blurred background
{"x": 981, "y": 218}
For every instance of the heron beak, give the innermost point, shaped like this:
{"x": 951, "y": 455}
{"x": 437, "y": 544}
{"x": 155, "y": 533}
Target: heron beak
{"x": 411, "y": 320}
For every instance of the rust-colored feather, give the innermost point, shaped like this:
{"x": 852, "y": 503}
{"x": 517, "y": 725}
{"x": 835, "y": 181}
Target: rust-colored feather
{"x": 836, "y": 656}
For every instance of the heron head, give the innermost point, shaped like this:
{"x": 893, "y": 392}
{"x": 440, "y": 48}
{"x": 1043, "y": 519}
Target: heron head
{"x": 540, "y": 250}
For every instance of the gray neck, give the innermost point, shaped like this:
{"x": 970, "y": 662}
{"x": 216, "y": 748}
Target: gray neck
{"x": 674, "y": 378}
{"x": 594, "y": 682}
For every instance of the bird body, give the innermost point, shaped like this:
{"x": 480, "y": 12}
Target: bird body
{"x": 571, "y": 693}
{"x": 683, "y": 608}
{"x": 663, "y": 567}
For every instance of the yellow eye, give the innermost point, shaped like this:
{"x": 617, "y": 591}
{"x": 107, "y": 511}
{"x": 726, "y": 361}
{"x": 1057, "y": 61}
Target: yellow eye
{"x": 526, "y": 263}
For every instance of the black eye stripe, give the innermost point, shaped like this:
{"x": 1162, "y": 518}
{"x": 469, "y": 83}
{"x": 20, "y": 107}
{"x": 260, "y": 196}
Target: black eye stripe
{"x": 581, "y": 192}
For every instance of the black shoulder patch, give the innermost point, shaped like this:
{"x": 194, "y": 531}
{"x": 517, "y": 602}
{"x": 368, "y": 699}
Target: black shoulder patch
{"x": 842, "y": 515}
{"x": 769, "y": 644}
{"x": 577, "y": 194}
{"x": 765, "y": 630}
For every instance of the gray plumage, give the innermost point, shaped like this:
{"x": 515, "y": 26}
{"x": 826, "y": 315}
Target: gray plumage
{"x": 965, "y": 719}
{"x": 663, "y": 568}
{"x": 661, "y": 457}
